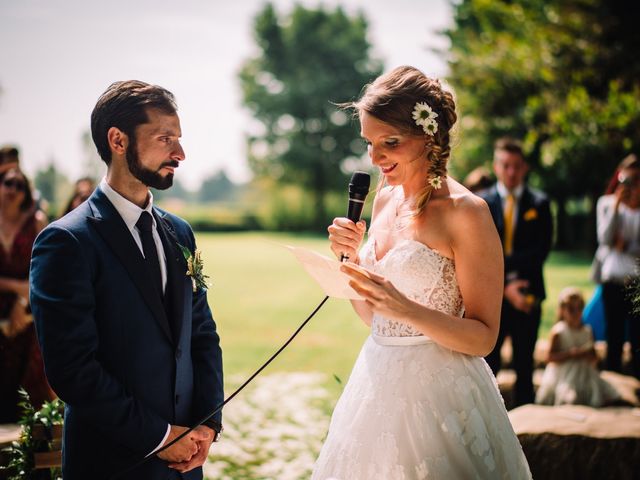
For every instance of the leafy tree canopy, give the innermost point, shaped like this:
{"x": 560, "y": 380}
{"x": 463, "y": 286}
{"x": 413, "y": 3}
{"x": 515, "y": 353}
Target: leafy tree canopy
{"x": 560, "y": 74}
{"x": 308, "y": 61}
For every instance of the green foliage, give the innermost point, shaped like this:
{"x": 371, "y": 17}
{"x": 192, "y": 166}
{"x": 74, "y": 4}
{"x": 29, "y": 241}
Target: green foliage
{"x": 560, "y": 74}
{"x": 177, "y": 191}
{"x": 21, "y": 464}
{"x": 217, "y": 187}
{"x": 53, "y": 186}
{"x": 307, "y": 60}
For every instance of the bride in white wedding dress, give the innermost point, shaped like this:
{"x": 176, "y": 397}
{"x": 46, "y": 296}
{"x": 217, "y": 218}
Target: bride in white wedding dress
{"x": 421, "y": 402}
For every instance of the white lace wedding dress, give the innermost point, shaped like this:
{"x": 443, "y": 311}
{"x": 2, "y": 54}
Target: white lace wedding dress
{"x": 413, "y": 409}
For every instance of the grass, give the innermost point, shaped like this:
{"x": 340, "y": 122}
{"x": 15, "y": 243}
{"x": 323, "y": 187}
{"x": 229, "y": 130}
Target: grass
{"x": 564, "y": 269}
{"x": 260, "y": 294}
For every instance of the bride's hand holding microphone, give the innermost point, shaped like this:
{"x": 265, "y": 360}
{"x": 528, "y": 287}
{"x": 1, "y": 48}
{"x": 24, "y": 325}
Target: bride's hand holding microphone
{"x": 346, "y": 233}
{"x": 345, "y": 237}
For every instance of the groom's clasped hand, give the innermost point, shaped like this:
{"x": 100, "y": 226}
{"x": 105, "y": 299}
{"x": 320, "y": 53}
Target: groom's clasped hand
{"x": 190, "y": 451}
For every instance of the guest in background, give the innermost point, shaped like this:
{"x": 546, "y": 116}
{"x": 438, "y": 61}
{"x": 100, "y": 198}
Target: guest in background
{"x": 479, "y": 180}
{"x": 83, "y": 189}
{"x": 20, "y": 358}
{"x": 9, "y": 158}
{"x": 523, "y": 219}
{"x": 570, "y": 376}
{"x": 616, "y": 261}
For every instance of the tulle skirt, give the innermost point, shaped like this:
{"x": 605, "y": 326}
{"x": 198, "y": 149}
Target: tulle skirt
{"x": 414, "y": 410}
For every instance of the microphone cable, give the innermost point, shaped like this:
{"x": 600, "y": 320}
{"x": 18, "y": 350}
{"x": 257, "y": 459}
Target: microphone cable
{"x": 228, "y": 399}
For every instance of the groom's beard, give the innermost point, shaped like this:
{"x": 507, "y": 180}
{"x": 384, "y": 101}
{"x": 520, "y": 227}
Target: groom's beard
{"x": 147, "y": 176}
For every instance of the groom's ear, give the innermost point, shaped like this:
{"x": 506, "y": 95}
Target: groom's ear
{"x": 118, "y": 140}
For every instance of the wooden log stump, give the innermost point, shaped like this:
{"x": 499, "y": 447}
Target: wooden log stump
{"x": 576, "y": 442}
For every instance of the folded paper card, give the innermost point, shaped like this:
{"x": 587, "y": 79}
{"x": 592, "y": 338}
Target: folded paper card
{"x": 326, "y": 272}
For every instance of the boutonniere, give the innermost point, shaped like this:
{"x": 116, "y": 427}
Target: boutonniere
{"x": 531, "y": 214}
{"x": 194, "y": 268}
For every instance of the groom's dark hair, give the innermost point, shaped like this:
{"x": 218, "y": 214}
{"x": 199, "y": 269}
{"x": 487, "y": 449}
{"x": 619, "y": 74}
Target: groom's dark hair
{"x": 124, "y": 105}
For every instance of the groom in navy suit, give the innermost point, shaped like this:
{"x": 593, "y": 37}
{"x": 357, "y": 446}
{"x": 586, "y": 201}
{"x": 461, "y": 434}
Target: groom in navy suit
{"x": 523, "y": 220}
{"x": 129, "y": 343}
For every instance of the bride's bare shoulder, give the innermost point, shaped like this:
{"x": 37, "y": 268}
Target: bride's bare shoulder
{"x": 466, "y": 208}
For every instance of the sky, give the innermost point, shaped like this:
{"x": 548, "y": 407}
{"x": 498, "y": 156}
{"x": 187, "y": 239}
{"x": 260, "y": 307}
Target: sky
{"x": 58, "y": 56}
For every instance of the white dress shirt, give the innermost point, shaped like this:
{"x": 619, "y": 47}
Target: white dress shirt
{"x": 130, "y": 213}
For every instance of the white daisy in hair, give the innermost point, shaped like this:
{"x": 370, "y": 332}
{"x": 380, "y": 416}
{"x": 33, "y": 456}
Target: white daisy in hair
{"x": 430, "y": 127}
{"x": 436, "y": 182}
{"x": 424, "y": 116}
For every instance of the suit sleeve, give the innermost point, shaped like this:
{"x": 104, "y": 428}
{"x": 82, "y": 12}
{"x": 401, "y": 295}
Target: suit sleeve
{"x": 64, "y": 303}
{"x": 207, "y": 357}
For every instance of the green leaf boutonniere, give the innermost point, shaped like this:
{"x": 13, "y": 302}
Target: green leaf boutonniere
{"x": 194, "y": 268}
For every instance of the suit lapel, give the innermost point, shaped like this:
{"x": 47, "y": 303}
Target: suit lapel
{"x": 176, "y": 268}
{"x": 523, "y": 207}
{"x": 110, "y": 226}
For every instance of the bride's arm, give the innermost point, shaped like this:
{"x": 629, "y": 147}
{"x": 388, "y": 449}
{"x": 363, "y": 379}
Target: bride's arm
{"x": 479, "y": 271}
{"x": 345, "y": 238}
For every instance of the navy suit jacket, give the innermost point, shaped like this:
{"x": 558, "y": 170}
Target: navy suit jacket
{"x": 107, "y": 341}
{"x": 531, "y": 238}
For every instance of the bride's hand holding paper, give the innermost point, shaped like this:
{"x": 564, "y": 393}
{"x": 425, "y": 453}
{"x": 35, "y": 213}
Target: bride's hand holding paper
{"x": 379, "y": 293}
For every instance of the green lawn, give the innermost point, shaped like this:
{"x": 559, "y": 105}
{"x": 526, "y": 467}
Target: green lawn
{"x": 260, "y": 294}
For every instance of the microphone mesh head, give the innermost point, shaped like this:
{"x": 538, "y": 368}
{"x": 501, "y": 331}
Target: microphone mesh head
{"x": 360, "y": 181}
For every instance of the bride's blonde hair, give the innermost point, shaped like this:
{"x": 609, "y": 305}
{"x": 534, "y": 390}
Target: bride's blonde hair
{"x": 392, "y": 98}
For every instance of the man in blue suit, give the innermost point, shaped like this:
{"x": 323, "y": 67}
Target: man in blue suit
{"x": 128, "y": 340}
{"x": 523, "y": 219}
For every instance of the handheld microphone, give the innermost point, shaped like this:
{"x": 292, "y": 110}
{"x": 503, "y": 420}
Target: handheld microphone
{"x": 358, "y": 190}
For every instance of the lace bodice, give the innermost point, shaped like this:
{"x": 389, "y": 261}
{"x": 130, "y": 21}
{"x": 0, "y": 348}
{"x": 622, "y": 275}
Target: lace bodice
{"x": 419, "y": 272}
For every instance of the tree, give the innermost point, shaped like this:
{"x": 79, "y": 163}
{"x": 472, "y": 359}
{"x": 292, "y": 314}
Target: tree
{"x": 558, "y": 73}
{"x": 308, "y": 60}
{"x": 177, "y": 191}
{"x": 216, "y": 187}
{"x": 51, "y": 185}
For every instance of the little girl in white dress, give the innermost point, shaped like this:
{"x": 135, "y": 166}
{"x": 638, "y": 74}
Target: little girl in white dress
{"x": 570, "y": 376}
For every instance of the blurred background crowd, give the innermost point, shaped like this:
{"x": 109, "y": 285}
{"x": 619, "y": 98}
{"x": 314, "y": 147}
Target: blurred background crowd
{"x": 558, "y": 78}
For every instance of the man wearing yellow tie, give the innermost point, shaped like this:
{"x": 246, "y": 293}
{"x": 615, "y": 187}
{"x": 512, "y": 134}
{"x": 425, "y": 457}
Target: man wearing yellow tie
{"x": 523, "y": 220}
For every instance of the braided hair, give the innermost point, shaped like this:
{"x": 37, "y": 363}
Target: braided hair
{"x": 392, "y": 98}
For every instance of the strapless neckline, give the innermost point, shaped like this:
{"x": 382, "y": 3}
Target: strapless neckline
{"x": 406, "y": 241}
{"x": 421, "y": 273}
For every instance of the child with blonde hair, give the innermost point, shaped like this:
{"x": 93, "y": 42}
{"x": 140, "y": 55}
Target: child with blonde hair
{"x": 571, "y": 376}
